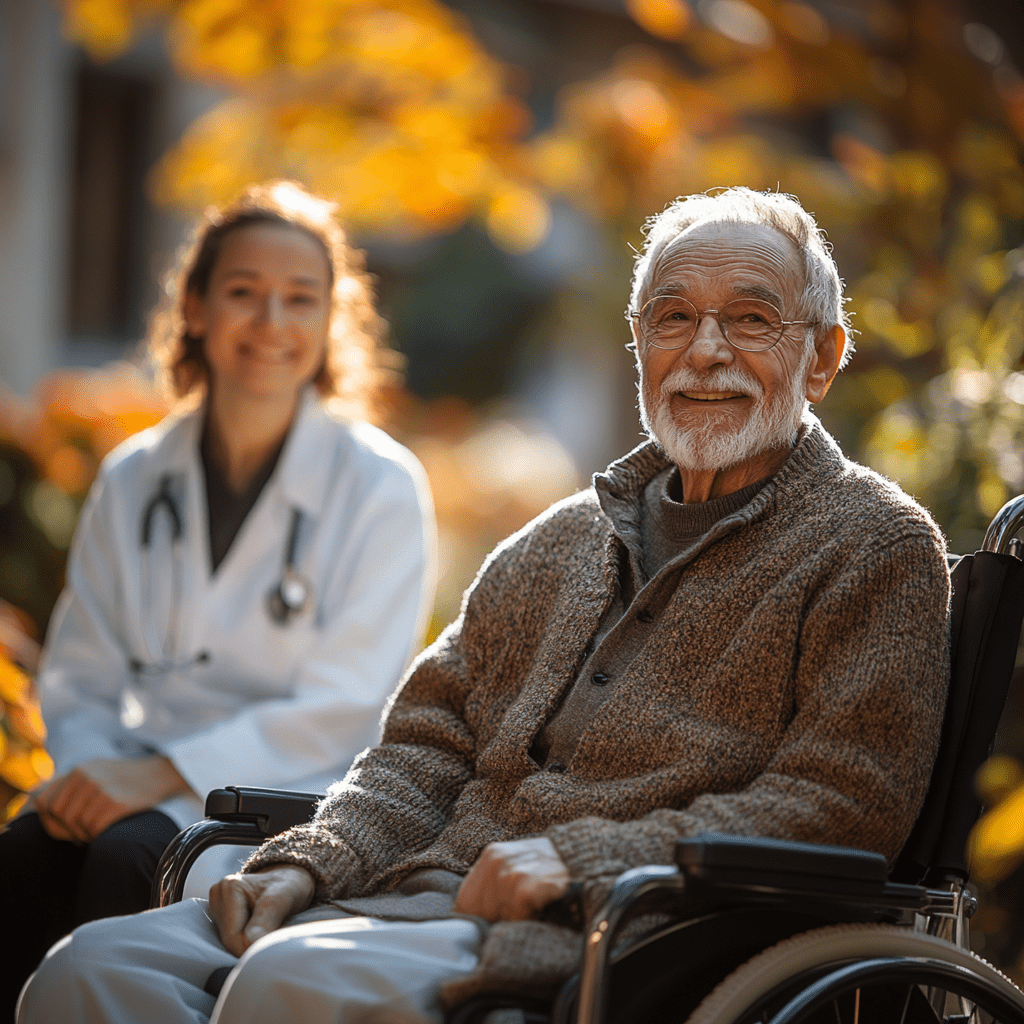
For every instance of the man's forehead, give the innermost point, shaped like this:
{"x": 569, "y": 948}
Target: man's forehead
{"x": 710, "y": 247}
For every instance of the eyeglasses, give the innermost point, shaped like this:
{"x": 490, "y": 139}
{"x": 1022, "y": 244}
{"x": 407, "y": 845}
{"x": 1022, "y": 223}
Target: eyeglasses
{"x": 752, "y": 325}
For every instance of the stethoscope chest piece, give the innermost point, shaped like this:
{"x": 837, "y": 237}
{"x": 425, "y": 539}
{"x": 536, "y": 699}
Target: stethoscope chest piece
{"x": 290, "y": 598}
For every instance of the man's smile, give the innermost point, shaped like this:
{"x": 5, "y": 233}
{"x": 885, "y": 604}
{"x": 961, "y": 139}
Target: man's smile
{"x": 711, "y": 396}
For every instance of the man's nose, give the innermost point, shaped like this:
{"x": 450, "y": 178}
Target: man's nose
{"x": 709, "y": 346}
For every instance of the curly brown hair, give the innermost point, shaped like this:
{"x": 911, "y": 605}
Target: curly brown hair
{"x": 356, "y": 363}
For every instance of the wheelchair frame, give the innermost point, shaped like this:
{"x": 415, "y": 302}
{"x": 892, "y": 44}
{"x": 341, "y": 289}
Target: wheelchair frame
{"x": 714, "y": 875}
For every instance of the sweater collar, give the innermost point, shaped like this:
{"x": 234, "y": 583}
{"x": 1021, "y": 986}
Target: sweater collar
{"x": 619, "y": 488}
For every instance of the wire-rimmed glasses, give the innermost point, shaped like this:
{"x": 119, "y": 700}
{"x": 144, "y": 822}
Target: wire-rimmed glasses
{"x": 751, "y": 325}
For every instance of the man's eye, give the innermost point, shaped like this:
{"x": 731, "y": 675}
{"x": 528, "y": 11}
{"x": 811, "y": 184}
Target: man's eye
{"x": 239, "y": 291}
{"x": 678, "y": 314}
{"x": 303, "y": 300}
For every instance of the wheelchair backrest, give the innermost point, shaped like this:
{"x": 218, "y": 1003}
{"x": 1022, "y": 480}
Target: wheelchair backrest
{"x": 985, "y": 625}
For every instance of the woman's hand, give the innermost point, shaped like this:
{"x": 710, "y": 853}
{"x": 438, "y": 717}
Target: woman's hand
{"x": 513, "y": 881}
{"x": 83, "y": 803}
{"x": 246, "y": 907}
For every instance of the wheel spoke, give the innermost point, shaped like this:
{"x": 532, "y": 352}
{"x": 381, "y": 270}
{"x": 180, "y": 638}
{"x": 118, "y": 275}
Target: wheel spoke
{"x": 906, "y": 1004}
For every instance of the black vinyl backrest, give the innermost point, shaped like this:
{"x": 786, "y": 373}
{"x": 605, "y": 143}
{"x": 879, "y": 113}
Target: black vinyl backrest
{"x": 985, "y": 625}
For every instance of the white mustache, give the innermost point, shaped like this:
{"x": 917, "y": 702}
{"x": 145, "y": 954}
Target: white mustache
{"x": 726, "y": 378}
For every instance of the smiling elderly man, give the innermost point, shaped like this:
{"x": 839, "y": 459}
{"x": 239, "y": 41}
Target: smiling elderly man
{"x": 735, "y": 629}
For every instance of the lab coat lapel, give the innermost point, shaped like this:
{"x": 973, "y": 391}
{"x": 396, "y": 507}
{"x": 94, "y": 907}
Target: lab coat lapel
{"x": 302, "y": 474}
{"x": 194, "y": 563}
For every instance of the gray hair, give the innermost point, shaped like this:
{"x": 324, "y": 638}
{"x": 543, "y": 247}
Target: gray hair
{"x": 823, "y": 300}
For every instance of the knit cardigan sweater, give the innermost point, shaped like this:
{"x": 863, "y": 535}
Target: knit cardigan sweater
{"x": 792, "y": 685}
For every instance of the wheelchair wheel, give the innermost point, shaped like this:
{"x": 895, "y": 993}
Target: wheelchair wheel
{"x": 912, "y": 978}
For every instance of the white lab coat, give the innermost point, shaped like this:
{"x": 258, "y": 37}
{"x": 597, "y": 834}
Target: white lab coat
{"x": 273, "y": 705}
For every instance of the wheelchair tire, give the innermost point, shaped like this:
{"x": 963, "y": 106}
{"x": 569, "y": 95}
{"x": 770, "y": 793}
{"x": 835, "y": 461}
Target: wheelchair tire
{"x": 749, "y": 990}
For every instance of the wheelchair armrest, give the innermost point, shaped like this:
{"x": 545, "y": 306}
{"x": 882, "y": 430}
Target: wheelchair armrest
{"x": 724, "y": 860}
{"x": 236, "y": 816}
{"x": 271, "y": 810}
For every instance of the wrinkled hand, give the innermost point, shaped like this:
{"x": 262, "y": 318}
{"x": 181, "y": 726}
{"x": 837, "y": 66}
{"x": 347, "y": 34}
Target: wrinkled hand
{"x": 83, "y": 803}
{"x": 513, "y": 881}
{"x": 246, "y": 907}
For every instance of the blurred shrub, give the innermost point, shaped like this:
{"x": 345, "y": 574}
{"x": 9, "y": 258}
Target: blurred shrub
{"x": 490, "y": 473}
{"x": 50, "y": 449}
{"x": 997, "y": 841}
{"x": 996, "y": 858}
{"x": 24, "y": 762}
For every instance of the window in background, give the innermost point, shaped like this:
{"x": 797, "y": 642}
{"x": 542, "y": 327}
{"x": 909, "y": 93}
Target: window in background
{"x": 113, "y": 118}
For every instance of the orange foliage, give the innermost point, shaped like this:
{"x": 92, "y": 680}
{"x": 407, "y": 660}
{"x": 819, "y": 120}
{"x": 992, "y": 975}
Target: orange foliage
{"x": 391, "y": 108}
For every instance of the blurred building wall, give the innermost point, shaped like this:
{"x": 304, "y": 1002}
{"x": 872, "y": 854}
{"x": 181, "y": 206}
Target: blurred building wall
{"x": 81, "y": 247}
{"x": 33, "y": 189}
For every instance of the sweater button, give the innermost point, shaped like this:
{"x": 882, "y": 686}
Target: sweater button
{"x": 599, "y": 679}
{"x": 645, "y": 616}
{"x": 556, "y": 767}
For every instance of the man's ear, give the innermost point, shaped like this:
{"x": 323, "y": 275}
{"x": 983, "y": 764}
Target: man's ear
{"x": 634, "y": 345}
{"x": 194, "y": 312}
{"x": 828, "y": 353}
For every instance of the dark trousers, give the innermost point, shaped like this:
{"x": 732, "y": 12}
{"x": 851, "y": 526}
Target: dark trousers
{"x": 48, "y": 886}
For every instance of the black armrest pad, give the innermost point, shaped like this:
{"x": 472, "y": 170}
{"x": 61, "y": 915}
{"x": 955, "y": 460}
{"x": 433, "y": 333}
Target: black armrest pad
{"x": 712, "y": 854}
{"x": 274, "y": 810}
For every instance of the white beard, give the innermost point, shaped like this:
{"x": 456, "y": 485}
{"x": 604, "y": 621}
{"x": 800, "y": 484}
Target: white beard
{"x": 707, "y": 447}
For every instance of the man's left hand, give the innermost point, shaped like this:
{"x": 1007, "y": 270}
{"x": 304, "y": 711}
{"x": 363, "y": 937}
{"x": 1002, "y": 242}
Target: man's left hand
{"x": 513, "y": 881}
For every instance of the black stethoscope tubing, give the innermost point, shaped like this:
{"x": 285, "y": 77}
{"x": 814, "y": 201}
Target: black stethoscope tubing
{"x": 163, "y": 497}
{"x": 289, "y": 599}
{"x": 291, "y": 595}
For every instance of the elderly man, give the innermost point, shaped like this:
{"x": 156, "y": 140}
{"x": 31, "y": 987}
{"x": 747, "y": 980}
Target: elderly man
{"x": 735, "y": 629}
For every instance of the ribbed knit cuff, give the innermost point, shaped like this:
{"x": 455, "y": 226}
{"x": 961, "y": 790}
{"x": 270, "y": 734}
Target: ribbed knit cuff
{"x": 333, "y": 865}
{"x": 592, "y": 847}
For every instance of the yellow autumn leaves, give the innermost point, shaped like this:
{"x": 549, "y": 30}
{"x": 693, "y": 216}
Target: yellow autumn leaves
{"x": 391, "y": 108}
{"x": 395, "y": 110}
{"x": 62, "y": 435}
{"x": 24, "y": 762}
{"x": 996, "y": 845}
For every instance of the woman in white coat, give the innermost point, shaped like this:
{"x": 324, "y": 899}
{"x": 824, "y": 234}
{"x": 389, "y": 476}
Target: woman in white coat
{"x": 247, "y": 582}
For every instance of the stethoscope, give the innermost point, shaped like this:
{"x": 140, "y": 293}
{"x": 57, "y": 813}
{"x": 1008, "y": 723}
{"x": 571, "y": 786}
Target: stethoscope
{"x": 285, "y": 602}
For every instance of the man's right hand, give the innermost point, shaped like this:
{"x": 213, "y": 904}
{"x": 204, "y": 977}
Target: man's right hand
{"x": 247, "y": 907}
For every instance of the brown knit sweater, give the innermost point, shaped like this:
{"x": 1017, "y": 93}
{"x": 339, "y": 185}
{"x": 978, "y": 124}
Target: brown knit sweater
{"x": 791, "y": 684}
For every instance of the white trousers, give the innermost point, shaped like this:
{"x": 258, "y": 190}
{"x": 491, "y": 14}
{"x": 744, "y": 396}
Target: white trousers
{"x": 324, "y": 967}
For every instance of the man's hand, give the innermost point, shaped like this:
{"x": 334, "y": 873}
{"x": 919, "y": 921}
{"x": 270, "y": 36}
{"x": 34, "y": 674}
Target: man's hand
{"x": 247, "y": 907}
{"x": 513, "y": 881}
{"x": 82, "y": 804}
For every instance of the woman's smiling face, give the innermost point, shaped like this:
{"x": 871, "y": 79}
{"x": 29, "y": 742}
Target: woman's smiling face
{"x": 266, "y": 314}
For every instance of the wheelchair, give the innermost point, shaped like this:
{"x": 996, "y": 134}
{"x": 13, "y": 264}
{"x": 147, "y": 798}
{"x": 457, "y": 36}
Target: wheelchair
{"x": 747, "y": 929}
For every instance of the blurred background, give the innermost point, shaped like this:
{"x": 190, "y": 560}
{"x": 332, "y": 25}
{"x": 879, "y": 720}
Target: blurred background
{"x": 497, "y": 159}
